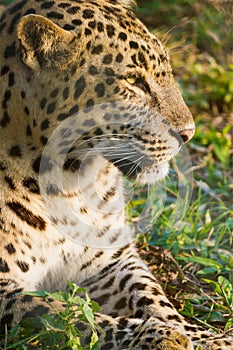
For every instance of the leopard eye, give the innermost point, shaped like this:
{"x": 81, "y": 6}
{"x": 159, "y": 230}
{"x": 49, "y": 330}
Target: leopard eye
{"x": 132, "y": 80}
{"x": 138, "y": 81}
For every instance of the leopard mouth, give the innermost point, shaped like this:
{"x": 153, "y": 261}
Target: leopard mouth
{"x": 140, "y": 163}
{"x": 127, "y": 167}
{"x": 142, "y": 154}
{"x": 148, "y": 175}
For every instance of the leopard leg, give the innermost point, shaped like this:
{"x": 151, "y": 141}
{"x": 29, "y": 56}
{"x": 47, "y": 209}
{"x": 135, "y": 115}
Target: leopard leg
{"x": 129, "y": 333}
{"x": 128, "y": 289}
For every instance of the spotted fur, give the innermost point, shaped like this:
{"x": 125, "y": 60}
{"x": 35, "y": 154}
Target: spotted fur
{"x": 86, "y": 92}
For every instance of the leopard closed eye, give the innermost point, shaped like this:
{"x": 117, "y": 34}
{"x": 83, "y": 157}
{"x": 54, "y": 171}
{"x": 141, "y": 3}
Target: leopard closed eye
{"x": 86, "y": 91}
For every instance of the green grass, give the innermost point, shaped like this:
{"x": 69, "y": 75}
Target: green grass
{"x": 202, "y": 246}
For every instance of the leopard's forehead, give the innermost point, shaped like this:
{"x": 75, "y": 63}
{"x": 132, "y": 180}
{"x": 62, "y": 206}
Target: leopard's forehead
{"x": 102, "y": 27}
{"x": 105, "y": 16}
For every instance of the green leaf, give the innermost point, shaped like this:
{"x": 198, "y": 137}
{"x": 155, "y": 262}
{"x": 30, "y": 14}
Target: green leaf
{"x": 88, "y": 313}
{"x": 215, "y": 285}
{"x": 94, "y": 341}
{"x": 95, "y": 306}
{"x": 207, "y": 271}
{"x": 217, "y": 316}
{"x": 75, "y": 288}
{"x": 52, "y": 324}
{"x": 60, "y": 296}
{"x": 38, "y": 293}
{"x": 203, "y": 261}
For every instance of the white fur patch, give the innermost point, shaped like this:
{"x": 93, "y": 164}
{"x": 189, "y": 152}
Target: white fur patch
{"x": 128, "y": 2}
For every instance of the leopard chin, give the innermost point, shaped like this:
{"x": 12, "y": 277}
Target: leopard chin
{"x": 151, "y": 176}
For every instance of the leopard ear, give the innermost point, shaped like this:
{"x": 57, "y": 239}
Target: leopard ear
{"x": 44, "y": 44}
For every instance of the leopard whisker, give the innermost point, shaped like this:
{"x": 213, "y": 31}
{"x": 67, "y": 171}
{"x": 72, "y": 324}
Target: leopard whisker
{"x": 134, "y": 167}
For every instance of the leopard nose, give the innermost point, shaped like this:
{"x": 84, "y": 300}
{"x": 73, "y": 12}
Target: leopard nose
{"x": 186, "y": 134}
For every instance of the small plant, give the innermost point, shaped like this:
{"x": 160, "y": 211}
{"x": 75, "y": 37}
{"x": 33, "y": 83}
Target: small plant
{"x": 60, "y": 329}
{"x": 211, "y": 310}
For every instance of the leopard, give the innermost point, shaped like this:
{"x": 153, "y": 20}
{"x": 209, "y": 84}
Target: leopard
{"x": 88, "y": 98}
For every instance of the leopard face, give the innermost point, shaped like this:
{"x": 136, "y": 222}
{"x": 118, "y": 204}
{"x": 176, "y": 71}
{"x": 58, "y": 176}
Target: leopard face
{"x": 60, "y": 59}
